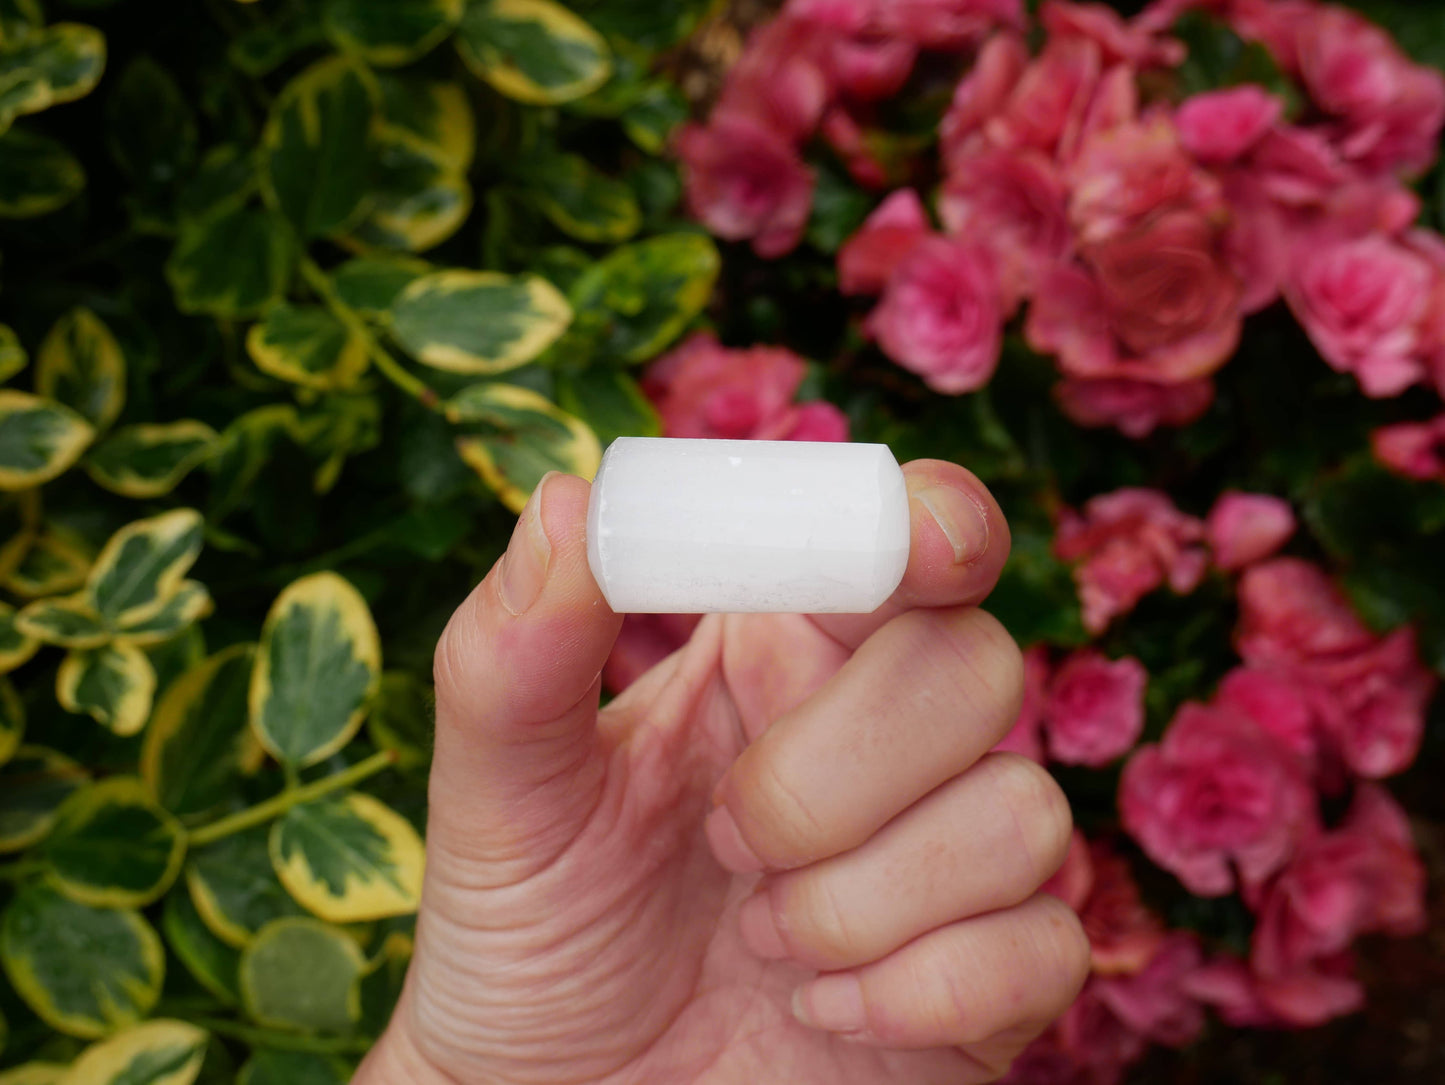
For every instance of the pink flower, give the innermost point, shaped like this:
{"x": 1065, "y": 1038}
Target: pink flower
{"x": 1364, "y": 877}
{"x": 1297, "y": 166}
{"x": 779, "y": 81}
{"x": 746, "y": 182}
{"x": 1256, "y": 243}
{"x": 1278, "y": 704}
{"x": 1217, "y": 796}
{"x": 1361, "y": 301}
{"x": 1245, "y": 528}
{"x": 868, "y": 259}
{"x": 1124, "y": 935}
{"x": 1095, "y": 710}
{"x": 941, "y": 315}
{"x": 1390, "y": 110}
{"x": 1089, "y": 1045}
{"x": 946, "y": 24}
{"x": 1013, "y": 201}
{"x": 1303, "y": 999}
{"x": 1413, "y": 449}
{"x": 1129, "y": 543}
{"x": 813, "y": 421}
{"x": 1073, "y": 882}
{"x": 1227, "y": 985}
{"x": 1224, "y": 125}
{"x": 1136, "y": 408}
{"x": 870, "y": 68}
{"x": 1290, "y": 614}
{"x": 1118, "y": 40}
{"x": 855, "y": 147}
{"x": 1154, "y": 1002}
{"x": 645, "y": 641}
{"x": 1049, "y": 102}
{"x": 982, "y": 93}
{"x": 1026, "y": 737}
{"x": 702, "y": 389}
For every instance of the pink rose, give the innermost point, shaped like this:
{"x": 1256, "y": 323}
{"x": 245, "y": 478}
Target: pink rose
{"x": 1290, "y": 613}
{"x": 1361, "y": 301}
{"x": 1297, "y": 166}
{"x": 1224, "y": 125}
{"x": 702, "y": 389}
{"x": 941, "y": 315}
{"x": 1227, "y": 986}
{"x": 1154, "y": 1002}
{"x": 1124, "y": 935}
{"x": 1217, "y": 796}
{"x": 1129, "y": 543}
{"x": 1095, "y": 710}
{"x": 870, "y": 68}
{"x": 868, "y": 259}
{"x": 1413, "y": 449}
{"x": 1256, "y": 243}
{"x": 1013, "y": 201}
{"x": 982, "y": 93}
{"x": 946, "y": 24}
{"x": 855, "y": 147}
{"x": 645, "y": 641}
{"x": 1049, "y": 102}
{"x": 779, "y": 81}
{"x": 1135, "y": 408}
{"x": 1363, "y": 878}
{"x": 1278, "y": 704}
{"x": 813, "y": 421}
{"x": 1026, "y": 737}
{"x": 746, "y": 182}
{"x": 1089, "y": 1045}
{"x": 1245, "y": 528}
{"x": 1073, "y": 882}
{"x": 1303, "y": 999}
{"x": 1119, "y": 41}
{"x": 1390, "y": 110}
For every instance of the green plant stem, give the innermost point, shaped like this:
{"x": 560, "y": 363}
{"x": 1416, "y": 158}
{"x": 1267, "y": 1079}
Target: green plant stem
{"x": 285, "y": 1041}
{"x": 380, "y": 357}
{"x": 274, "y": 807}
{"x": 21, "y": 868}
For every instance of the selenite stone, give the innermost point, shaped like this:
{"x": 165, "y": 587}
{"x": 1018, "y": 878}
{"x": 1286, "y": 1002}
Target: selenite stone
{"x": 685, "y": 526}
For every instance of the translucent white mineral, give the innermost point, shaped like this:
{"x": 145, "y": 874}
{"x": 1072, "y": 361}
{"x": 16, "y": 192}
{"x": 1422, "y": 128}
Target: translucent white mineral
{"x": 685, "y": 526}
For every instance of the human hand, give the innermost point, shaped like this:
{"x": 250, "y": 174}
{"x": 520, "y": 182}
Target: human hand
{"x": 590, "y": 916}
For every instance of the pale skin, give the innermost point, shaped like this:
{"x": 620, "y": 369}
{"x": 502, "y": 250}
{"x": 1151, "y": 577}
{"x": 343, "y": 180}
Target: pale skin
{"x": 783, "y": 855}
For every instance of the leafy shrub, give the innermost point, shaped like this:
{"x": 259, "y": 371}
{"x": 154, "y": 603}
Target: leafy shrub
{"x": 301, "y": 300}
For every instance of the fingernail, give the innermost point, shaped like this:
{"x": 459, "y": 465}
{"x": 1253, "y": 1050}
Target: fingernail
{"x": 960, "y": 519}
{"x": 524, "y": 565}
{"x": 728, "y": 845}
{"x": 834, "y": 1003}
{"x": 759, "y": 926}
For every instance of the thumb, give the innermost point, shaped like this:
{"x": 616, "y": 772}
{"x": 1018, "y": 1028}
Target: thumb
{"x": 518, "y": 765}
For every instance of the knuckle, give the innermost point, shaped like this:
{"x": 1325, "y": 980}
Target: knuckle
{"x": 1040, "y": 811}
{"x": 818, "y": 922}
{"x": 987, "y": 661}
{"x": 780, "y": 823}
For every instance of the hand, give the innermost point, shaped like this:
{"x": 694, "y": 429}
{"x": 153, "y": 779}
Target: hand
{"x": 591, "y": 916}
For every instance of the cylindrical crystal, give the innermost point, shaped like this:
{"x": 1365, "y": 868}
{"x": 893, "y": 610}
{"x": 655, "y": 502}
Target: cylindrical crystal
{"x": 686, "y": 526}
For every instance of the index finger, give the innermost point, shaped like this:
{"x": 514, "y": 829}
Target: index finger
{"x": 959, "y": 542}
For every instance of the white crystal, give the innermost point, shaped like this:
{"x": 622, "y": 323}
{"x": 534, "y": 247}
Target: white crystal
{"x": 685, "y": 526}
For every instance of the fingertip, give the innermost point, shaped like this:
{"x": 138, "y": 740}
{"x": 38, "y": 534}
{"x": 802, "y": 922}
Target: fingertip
{"x": 960, "y": 537}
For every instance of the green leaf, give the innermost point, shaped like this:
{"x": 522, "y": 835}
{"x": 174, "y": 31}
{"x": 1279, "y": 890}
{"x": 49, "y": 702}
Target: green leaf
{"x": 114, "y": 684}
{"x": 56, "y": 562}
{"x": 12, "y": 354}
{"x": 12, "y": 720}
{"x": 84, "y": 971}
{"x": 306, "y": 345}
{"x": 247, "y": 445}
{"x": 151, "y": 126}
{"x": 33, "y": 785}
{"x": 48, "y": 67}
{"x": 644, "y": 295}
{"x": 269, "y": 1066}
{"x": 224, "y": 181}
{"x": 232, "y": 264}
{"x": 150, "y": 460}
{"x": 401, "y": 719}
{"x": 235, "y": 888}
{"x": 1035, "y": 598}
{"x": 610, "y": 402}
{"x": 416, "y": 201}
{"x": 389, "y": 33}
{"x": 370, "y": 284}
{"x": 317, "y": 669}
{"x": 314, "y": 149}
{"x": 434, "y": 118}
{"x": 198, "y": 745}
{"x": 188, "y": 604}
{"x": 479, "y": 321}
{"x": 15, "y": 647}
{"x": 582, "y": 201}
{"x": 345, "y": 426}
{"x": 513, "y": 437}
{"x": 34, "y": 1073}
{"x": 39, "y": 438}
{"x": 534, "y": 51}
{"x": 80, "y": 364}
{"x": 272, "y": 42}
{"x": 19, "y": 19}
{"x": 113, "y": 847}
{"x": 349, "y": 859}
{"x": 654, "y": 27}
{"x": 213, "y": 963}
{"x": 302, "y": 975}
{"x": 142, "y": 565}
{"x": 650, "y": 121}
{"x": 70, "y": 622}
{"x": 160, "y": 1052}
{"x": 19, "y": 525}
{"x": 37, "y": 175}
